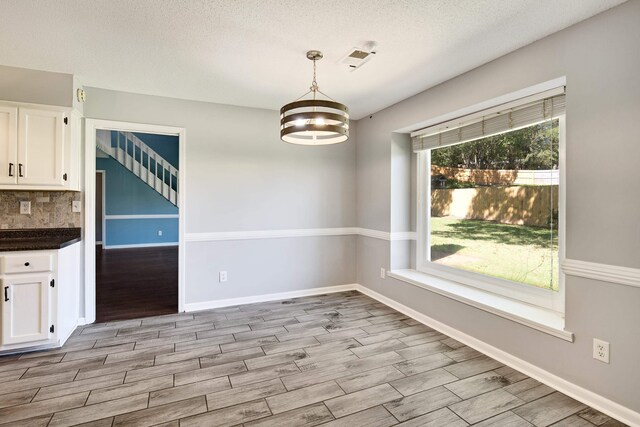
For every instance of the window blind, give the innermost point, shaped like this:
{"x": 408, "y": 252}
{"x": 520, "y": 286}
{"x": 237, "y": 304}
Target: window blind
{"x": 492, "y": 124}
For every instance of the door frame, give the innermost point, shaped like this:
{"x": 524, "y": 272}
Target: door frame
{"x": 91, "y": 126}
{"x": 104, "y": 201}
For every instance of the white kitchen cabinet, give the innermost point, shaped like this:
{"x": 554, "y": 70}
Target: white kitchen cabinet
{"x": 8, "y": 144}
{"x": 39, "y": 148}
{"x": 40, "y": 300}
{"x": 25, "y": 312}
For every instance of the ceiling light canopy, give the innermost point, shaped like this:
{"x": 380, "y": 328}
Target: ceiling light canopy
{"x": 314, "y": 121}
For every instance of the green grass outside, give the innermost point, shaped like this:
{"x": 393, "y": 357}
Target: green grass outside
{"x": 514, "y": 252}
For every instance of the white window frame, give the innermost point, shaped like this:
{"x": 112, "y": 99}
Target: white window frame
{"x": 545, "y": 298}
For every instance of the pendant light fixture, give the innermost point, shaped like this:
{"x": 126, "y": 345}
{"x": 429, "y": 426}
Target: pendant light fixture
{"x": 314, "y": 121}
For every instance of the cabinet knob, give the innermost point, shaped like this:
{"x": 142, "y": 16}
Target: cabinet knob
{"x": 26, "y": 264}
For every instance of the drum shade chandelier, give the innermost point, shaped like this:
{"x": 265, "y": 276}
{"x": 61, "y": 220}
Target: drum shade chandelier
{"x": 314, "y": 121}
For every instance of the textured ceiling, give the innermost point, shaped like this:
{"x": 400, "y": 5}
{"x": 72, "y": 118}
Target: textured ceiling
{"x": 252, "y": 52}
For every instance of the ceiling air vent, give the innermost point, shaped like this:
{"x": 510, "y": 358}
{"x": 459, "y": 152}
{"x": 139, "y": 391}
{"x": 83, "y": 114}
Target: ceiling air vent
{"x": 357, "y": 56}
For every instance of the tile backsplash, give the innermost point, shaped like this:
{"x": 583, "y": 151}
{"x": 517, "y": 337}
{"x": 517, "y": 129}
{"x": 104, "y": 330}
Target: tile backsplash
{"x": 49, "y": 209}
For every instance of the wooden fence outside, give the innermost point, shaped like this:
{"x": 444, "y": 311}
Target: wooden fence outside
{"x": 498, "y": 176}
{"x": 522, "y": 205}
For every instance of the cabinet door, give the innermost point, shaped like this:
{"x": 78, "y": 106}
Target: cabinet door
{"x": 40, "y": 147}
{"x": 25, "y": 309}
{"x": 8, "y": 145}
{"x": 73, "y": 147}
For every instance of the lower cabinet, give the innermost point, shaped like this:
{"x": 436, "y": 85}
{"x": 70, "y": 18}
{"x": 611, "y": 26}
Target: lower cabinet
{"x": 25, "y": 313}
{"x": 40, "y": 306}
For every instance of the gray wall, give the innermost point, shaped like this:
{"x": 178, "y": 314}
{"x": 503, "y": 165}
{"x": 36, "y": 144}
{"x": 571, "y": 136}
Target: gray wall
{"x": 267, "y": 266}
{"x": 37, "y": 87}
{"x": 600, "y": 59}
{"x": 240, "y": 177}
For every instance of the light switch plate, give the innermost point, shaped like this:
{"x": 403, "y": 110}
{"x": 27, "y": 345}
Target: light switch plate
{"x": 76, "y": 206}
{"x": 25, "y": 208}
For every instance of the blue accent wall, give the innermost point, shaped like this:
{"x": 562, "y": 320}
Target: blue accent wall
{"x": 126, "y": 194}
{"x": 141, "y": 231}
{"x": 165, "y": 145}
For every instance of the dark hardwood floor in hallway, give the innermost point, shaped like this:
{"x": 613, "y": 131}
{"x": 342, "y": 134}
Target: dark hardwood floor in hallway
{"x": 135, "y": 283}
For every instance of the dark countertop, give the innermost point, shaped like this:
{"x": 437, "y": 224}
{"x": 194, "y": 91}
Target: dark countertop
{"x": 33, "y": 239}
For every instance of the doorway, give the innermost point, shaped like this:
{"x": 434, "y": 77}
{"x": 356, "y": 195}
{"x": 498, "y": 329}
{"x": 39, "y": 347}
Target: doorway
{"x": 134, "y": 220}
{"x": 137, "y": 264}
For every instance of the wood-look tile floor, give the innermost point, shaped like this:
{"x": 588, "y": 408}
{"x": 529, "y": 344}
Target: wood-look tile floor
{"x": 340, "y": 360}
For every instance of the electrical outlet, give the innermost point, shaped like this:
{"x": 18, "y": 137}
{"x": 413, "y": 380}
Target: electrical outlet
{"x": 159, "y": 232}
{"x": 76, "y": 206}
{"x": 601, "y": 350}
{"x": 383, "y": 273}
{"x": 25, "y": 208}
{"x": 222, "y": 276}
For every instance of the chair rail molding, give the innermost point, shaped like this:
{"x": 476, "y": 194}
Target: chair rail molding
{"x": 143, "y": 216}
{"x": 298, "y": 232}
{"x": 602, "y": 272}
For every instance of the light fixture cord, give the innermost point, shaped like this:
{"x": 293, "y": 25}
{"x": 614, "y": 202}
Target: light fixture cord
{"x": 314, "y": 84}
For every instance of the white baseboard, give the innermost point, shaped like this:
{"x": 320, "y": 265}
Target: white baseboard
{"x": 140, "y": 245}
{"x": 206, "y": 305}
{"x": 82, "y": 321}
{"x": 583, "y": 395}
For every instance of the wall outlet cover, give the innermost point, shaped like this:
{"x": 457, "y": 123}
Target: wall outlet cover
{"x": 222, "y": 276}
{"x": 601, "y": 350}
{"x": 76, "y": 206}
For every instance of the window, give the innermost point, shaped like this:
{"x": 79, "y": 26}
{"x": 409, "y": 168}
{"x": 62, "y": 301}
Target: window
{"x": 491, "y": 200}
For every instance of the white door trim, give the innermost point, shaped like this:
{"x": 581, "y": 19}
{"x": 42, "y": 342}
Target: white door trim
{"x": 91, "y": 126}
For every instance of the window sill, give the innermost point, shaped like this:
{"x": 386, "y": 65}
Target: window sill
{"x": 538, "y": 318}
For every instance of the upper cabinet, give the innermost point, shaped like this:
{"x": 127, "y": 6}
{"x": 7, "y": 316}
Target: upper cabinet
{"x": 39, "y": 148}
{"x": 8, "y": 145}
